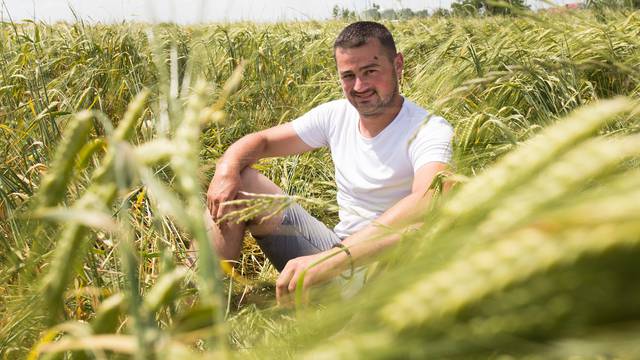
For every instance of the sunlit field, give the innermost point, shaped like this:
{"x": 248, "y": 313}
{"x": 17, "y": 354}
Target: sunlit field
{"x": 111, "y": 134}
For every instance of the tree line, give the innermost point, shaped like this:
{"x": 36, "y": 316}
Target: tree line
{"x": 468, "y": 8}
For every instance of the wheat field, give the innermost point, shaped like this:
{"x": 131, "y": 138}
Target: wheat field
{"x": 111, "y": 133}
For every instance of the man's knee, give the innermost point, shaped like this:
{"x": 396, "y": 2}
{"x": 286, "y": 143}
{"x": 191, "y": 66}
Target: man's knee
{"x": 248, "y": 176}
{"x": 253, "y": 182}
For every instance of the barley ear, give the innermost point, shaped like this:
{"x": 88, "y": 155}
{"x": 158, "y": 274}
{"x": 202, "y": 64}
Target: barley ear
{"x": 127, "y": 126}
{"x": 514, "y": 259}
{"x": 185, "y": 164}
{"x": 107, "y": 316}
{"x": 590, "y": 160}
{"x": 530, "y": 157}
{"x": 165, "y": 290}
{"x": 54, "y": 184}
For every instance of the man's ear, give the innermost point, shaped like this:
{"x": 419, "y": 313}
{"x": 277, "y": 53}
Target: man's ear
{"x": 398, "y": 64}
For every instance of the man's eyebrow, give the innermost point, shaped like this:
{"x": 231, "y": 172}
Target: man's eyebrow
{"x": 365, "y": 67}
{"x": 372, "y": 65}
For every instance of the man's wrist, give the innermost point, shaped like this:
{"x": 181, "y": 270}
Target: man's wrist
{"x": 348, "y": 263}
{"x": 225, "y": 168}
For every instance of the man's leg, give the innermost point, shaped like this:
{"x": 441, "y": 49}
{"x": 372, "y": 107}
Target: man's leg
{"x": 227, "y": 237}
{"x": 298, "y": 234}
{"x": 282, "y": 237}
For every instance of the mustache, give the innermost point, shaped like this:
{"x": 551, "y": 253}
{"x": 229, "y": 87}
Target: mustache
{"x": 360, "y": 93}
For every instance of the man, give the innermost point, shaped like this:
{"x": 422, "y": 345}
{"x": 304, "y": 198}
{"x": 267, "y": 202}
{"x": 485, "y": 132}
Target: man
{"x": 385, "y": 158}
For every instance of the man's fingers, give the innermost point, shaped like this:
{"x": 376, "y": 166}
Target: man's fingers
{"x": 214, "y": 210}
{"x": 222, "y": 210}
{"x": 210, "y": 207}
{"x": 294, "y": 281}
{"x": 283, "y": 282}
{"x": 293, "y": 285}
{"x": 222, "y": 188}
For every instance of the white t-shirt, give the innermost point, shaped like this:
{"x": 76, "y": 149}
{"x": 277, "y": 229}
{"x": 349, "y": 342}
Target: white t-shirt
{"x": 372, "y": 174}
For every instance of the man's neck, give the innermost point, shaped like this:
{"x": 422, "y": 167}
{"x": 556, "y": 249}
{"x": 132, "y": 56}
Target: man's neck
{"x": 371, "y": 126}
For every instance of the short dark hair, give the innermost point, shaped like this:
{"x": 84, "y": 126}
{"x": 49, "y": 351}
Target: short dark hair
{"x": 358, "y": 33}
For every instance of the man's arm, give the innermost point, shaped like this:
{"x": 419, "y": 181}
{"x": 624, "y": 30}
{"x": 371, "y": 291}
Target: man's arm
{"x": 367, "y": 242}
{"x": 280, "y": 140}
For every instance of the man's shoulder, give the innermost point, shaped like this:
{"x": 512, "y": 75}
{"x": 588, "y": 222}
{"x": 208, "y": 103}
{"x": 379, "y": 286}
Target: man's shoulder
{"x": 423, "y": 117}
{"x": 414, "y": 111}
{"x": 412, "y": 105}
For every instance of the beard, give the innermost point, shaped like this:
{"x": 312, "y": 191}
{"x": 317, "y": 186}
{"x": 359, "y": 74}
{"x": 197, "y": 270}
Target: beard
{"x": 375, "y": 103}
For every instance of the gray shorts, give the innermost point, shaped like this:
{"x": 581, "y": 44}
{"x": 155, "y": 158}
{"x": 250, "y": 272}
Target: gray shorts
{"x": 299, "y": 234}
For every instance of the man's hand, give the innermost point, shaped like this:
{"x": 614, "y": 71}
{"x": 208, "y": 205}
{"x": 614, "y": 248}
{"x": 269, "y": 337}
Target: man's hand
{"x": 319, "y": 273}
{"x": 281, "y": 140}
{"x": 223, "y": 187}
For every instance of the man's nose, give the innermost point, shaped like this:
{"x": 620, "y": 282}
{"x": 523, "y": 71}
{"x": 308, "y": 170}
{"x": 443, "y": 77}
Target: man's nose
{"x": 360, "y": 85}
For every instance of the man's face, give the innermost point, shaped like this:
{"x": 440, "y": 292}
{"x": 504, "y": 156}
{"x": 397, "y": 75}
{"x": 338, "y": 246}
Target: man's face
{"x": 369, "y": 77}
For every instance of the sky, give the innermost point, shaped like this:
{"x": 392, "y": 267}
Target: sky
{"x": 194, "y": 11}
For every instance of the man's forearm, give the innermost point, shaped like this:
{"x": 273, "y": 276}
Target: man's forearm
{"x": 382, "y": 233}
{"x": 386, "y": 229}
{"x": 241, "y": 154}
{"x": 227, "y": 178}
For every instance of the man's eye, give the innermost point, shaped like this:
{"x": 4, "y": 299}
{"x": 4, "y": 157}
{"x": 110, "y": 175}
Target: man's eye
{"x": 347, "y": 77}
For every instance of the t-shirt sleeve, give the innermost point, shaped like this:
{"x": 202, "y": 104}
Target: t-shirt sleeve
{"x": 314, "y": 127}
{"x": 432, "y": 143}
